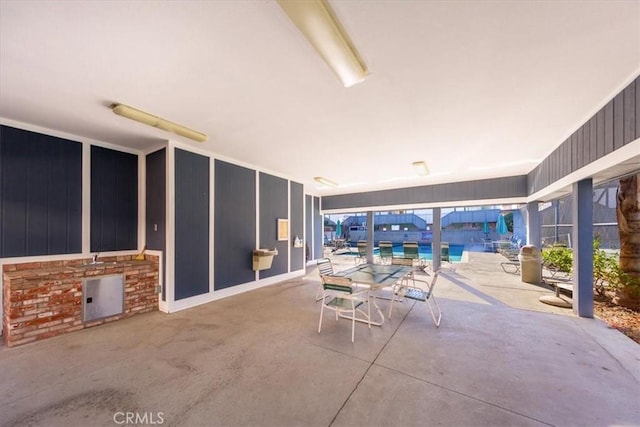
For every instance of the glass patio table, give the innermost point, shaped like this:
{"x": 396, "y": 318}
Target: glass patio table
{"x": 376, "y": 276}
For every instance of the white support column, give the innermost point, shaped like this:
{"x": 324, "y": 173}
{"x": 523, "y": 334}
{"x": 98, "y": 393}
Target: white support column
{"x": 370, "y": 237}
{"x": 436, "y": 248}
{"x": 583, "y": 248}
{"x": 533, "y": 225}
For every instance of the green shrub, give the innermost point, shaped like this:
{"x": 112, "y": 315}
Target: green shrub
{"x": 607, "y": 274}
{"x": 606, "y": 271}
{"x": 559, "y": 257}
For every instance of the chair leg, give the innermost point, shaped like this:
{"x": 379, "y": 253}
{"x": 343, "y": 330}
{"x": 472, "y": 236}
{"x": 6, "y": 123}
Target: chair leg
{"x": 353, "y": 321}
{"x": 395, "y": 294}
{"x": 435, "y": 302}
{"x": 369, "y": 309}
{"x": 393, "y": 297}
{"x": 321, "y": 313}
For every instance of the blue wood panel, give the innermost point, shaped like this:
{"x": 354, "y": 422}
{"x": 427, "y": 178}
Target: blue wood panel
{"x": 618, "y": 121}
{"x": 40, "y": 194}
{"x": 234, "y": 224}
{"x": 114, "y": 200}
{"x": 318, "y": 229}
{"x": 604, "y": 120}
{"x": 156, "y": 199}
{"x": 629, "y": 96}
{"x": 297, "y": 224}
{"x": 308, "y": 230}
{"x": 273, "y": 206}
{"x": 615, "y": 125}
{"x": 192, "y": 224}
{"x": 469, "y": 190}
{"x": 596, "y": 148}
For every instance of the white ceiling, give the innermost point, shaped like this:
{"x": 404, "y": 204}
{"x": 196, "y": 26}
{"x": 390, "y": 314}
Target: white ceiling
{"x": 477, "y": 89}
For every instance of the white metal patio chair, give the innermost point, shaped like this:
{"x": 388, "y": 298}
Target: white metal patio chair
{"x": 325, "y": 268}
{"x": 341, "y": 296}
{"x": 417, "y": 293}
{"x": 407, "y": 262}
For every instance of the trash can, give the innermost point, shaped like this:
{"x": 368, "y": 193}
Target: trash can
{"x": 530, "y": 264}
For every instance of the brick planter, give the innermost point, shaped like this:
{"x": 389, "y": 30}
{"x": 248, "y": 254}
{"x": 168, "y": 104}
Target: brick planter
{"x": 44, "y": 299}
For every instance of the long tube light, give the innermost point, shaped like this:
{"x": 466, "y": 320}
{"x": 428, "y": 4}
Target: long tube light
{"x": 318, "y": 23}
{"x": 157, "y": 122}
{"x": 325, "y": 181}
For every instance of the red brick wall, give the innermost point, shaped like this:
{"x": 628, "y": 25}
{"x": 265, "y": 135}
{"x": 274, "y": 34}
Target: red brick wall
{"x": 44, "y": 299}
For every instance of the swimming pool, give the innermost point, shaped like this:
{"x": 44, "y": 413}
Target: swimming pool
{"x": 424, "y": 250}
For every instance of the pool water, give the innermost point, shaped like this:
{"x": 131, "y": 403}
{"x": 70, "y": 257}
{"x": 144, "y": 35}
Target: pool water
{"x": 424, "y": 250}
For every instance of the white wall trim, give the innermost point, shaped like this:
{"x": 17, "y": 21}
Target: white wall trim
{"x": 227, "y": 292}
{"x": 256, "y": 245}
{"x": 170, "y": 226}
{"x": 212, "y": 219}
{"x": 290, "y": 239}
{"x": 142, "y": 201}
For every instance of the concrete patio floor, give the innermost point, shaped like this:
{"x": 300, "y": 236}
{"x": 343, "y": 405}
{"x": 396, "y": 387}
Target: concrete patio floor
{"x": 499, "y": 358}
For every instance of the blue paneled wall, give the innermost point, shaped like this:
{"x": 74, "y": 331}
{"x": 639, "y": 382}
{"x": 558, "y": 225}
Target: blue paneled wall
{"x": 114, "y": 200}
{"x": 235, "y": 224}
{"x": 40, "y": 194}
{"x": 192, "y": 224}
{"x": 273, "y": 206}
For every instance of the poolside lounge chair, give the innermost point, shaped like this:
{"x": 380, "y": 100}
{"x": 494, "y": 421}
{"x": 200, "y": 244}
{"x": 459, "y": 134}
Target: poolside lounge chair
{"x": 362, "y": 252}
{"x": 340, "y": 296}
{"x": 411, "y": 251}
{"x": 510, "y": 253}
{"x": 555, "y": 271}
{"x": 386, "y": 251}
{"x": 512, "y": 265}
{"x": 444, "y": 251}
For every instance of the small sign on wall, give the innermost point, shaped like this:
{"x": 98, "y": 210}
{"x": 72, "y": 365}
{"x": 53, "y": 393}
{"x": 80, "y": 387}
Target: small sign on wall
{"x": 283, "y": 229}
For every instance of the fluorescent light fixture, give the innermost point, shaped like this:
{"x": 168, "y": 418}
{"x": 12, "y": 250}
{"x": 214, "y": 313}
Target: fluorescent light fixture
{"x": 325, "y": 181}
{"x": 318, "y": 23}
{"x": 157, "y": 122}
{"x": 420, "y": 168}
